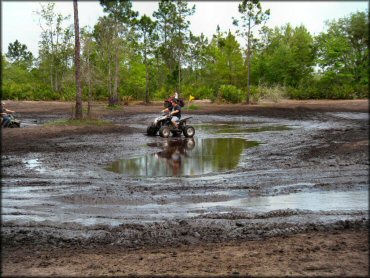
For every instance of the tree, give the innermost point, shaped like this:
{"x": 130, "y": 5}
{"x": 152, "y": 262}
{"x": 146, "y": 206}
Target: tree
{"x": 182, "y": 33}
{"x": 343, "y": 49}
{"x": 166, "y": 15}
{"x": 78, "y": 114}
{"x": 18, "y": 53}
{"x": 89, "y": 67}
{"x": 197, "y": 53}
{"x": 103, "y": 35}
{"x": 225, "y": 61}
{"x": 251, "y": 16}
{"x": 174, "y": 29}
{"x": 55, "y": 47}
{"x": 122, "y": 18}
{"x": 147, "y": 28}
{"x": 287, "y": 56}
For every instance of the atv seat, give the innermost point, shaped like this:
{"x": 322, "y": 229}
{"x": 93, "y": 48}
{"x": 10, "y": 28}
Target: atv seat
{"x": 184, "y": 119}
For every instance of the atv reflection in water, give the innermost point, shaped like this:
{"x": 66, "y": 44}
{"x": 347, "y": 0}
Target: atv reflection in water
{"x": 185, "y": 157}
{"x": 174, "y": 152}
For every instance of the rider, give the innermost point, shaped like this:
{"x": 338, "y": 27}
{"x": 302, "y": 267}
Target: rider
{"x": 175, "y": 109}
{"x": 6, "y": 118}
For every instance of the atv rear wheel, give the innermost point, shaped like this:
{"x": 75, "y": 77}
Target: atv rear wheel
{"x": 189, "y": 131}
{"x": 164, "y": 131}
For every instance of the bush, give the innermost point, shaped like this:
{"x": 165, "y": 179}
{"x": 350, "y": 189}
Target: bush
{"x": 126, "y": 100}
{"x": 162, "y": 94}
{"x": 193, "y": 107}
{"x": 230, "y": 93}
{"x": 274, "y": 93}
{"x": 199, "y": 92}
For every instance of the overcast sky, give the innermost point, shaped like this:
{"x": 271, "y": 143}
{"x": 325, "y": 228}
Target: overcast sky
{"x": 19, "y": 20}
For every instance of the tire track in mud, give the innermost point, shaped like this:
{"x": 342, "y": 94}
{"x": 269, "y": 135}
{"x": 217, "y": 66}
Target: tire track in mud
{"x": 69, "y": 193}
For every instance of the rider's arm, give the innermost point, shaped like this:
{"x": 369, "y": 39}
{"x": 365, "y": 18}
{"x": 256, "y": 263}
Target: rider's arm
{"x": 8, "y": 111}
{"x": 175, "y": 111}
{"x": 166, "y": 110}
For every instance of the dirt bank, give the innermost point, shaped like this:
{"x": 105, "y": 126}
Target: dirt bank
{"x": 291, "y": 204}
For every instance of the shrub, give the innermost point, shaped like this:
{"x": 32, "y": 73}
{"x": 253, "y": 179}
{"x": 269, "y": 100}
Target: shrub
{"x": 230, "y": 93}
{"x": 162, "y": 94}
{"x": 193, "y": 107}
{"x": 199, "y": 92}
{"x": 126, "y": 100}
{"x": 274, "y": 93}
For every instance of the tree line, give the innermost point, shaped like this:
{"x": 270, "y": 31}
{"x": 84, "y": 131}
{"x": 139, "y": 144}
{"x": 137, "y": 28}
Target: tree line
{"x": 124, "y": 56}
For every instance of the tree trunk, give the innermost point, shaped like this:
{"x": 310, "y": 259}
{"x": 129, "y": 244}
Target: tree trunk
{"x": 146, "y": 84}
{"x": 146, "y": 73}
{"x": 179, "y": 86}
{"x": 109, "y": 73}
{"x": 78, "y": 111}
{"x": 89, "y": 100}
{"x": 249, "y": 61}
{"x": 114, "y": 99}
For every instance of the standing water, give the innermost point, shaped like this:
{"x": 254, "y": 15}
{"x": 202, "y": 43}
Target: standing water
{"x": 186, "y": 157}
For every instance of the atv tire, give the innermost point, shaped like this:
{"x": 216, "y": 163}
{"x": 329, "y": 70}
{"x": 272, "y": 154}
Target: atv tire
{"x": 151, "y": 130}
{"x": 14, "y": 125}
{"x": 189, "y": 131}
{"x": 164, "y": 131}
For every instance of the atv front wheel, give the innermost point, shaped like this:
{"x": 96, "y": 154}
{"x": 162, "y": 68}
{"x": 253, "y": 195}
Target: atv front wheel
{"x": 151, "y": 130}
{"x": 189, "y": 131}
{"x": 14, "y": 125}
{"x": 164, "y": 131}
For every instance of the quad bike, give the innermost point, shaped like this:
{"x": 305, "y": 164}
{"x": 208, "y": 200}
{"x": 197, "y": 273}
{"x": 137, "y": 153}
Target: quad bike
{"x": 164, "y": 127}
{"x": 13, "y": 122}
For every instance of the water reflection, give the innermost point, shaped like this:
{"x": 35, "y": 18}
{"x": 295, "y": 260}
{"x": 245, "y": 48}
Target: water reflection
{"x": 185, "y": 157}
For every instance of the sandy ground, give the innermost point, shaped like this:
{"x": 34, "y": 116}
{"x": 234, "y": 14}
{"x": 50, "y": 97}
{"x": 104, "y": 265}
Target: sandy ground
{"x": 137, "y": 228}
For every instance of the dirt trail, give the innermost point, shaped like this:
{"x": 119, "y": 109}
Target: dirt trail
{"x": 266, "y": 216}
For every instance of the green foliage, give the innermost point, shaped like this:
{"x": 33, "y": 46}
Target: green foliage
{"x": 114, "y": 107}
{"x": 343, "y": 53}
{"x": 225, "y": 62}
{"x": 162, "y": 94}
{"x": 204, "y": 92}
{"x": 18, "y": 53}
{"x": 122, "y": 58}
{"x": 287, "y": 57}
{"x": 193, "y": 107}
{"x": 230, "y": 93}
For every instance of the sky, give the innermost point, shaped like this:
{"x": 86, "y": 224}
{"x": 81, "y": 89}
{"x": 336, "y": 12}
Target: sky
{"x": 20, "y": 22}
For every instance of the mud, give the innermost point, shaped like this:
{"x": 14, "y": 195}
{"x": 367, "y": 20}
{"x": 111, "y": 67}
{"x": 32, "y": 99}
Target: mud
{"x": 57, "y": 190}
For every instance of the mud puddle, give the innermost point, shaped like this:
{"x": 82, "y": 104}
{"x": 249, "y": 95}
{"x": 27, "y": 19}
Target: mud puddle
{"x": 40, "y": 208}
{"x": 197, "y": 156}
{"x": 219, "y": 177}
{"x": 314, "y": 201}
{"x": 185, "y": 157}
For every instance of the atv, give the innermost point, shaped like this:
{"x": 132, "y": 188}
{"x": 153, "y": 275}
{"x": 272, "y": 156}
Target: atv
{"x": 164, "y": 127}
{"x": 13, "y": 122}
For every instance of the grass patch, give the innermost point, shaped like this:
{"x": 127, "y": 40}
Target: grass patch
{"x": 114, "y": 107}
{"x": 193, "y": 107}
{"x": 84, "y": 122}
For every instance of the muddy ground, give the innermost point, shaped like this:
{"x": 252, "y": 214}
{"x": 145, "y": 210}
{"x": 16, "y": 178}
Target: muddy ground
{"x": 296, "y": 204}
